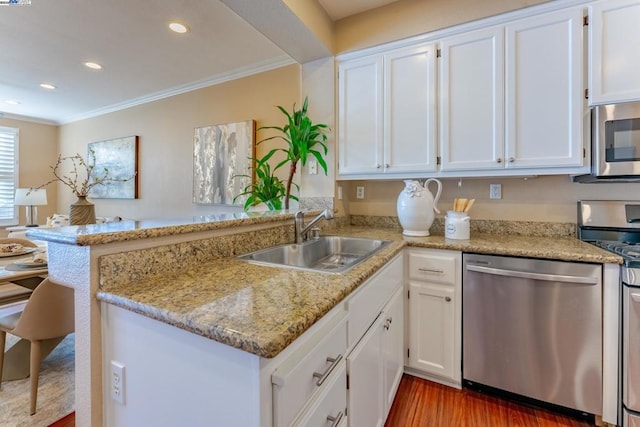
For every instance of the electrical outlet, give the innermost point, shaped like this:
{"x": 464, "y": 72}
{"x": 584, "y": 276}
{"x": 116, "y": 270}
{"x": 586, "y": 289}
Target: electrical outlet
{"x": 117, "y": 382}
{"x": 360, "y": 192}
{"x": 313, "y": 167}
{"x": 339, "y": 192}
{"x": 495, "y": 191}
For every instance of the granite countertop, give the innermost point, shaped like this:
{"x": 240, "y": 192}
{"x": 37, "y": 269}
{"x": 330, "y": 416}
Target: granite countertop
{"x": 263, "y": 309}
{"x": 127, "y": 230}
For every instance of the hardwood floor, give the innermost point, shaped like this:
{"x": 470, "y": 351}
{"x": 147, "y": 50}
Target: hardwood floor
{"x": 422, "y": 403}
{"x": 68, "y": 421}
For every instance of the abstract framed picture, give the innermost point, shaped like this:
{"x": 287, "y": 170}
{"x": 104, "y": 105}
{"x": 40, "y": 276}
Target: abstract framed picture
{"x": 222, "y": 162}
{"x": 120, "y": 157}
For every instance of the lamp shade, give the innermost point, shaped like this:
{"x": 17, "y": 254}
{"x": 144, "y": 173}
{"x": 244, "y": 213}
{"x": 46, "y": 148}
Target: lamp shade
{"x": 30, "y": 197}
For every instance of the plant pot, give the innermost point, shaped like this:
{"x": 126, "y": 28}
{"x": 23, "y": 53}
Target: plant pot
{"x": 82, "y": 212}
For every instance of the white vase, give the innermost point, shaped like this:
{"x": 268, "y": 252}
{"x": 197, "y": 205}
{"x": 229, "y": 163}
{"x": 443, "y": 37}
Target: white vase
{"x": 416, "y": 205}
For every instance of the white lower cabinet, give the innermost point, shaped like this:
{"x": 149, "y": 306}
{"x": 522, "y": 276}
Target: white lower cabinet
{"x": 305, "y": 385}
{"x": 329, "y": 409}
{"x": 431, "y": 309}
{"x": 365, "y": 379}
{"x": 376, "y": 363}
{"x": 434, "y": 314}
{"x": 392, "y": 348}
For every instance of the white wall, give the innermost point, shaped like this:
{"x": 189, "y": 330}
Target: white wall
{"x": 165, "y": 129}
{"x": 544, "y": 198}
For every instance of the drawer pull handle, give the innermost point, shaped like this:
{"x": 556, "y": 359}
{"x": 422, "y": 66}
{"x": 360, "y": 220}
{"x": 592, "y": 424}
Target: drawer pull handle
{"x": 323, "y": 376}
{"x": 335, "y": 420}
{"x": 430, "y": 270}
{"x": 447, "y": 299}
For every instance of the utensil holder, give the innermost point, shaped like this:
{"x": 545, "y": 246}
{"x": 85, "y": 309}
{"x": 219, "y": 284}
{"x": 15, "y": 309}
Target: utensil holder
{"x": 456, "y": 225}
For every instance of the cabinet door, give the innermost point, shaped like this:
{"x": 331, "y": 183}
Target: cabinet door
{"x": 409, "y": 110}
{"x": 393, "y": 348}
{"x": 472, "y": 101}
{"x": 360, "y": 115}
{"x": 431, "y": 335}
{"x": 364, "y": 367}
{"x": 614, "y": 37}
{"x": 544, "y": 90}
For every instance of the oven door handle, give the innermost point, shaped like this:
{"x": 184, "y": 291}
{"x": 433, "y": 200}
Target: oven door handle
{"x": 534, "y": 276}
{"x": 635, "y": 297}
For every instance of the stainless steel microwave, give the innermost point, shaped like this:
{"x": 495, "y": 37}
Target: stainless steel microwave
{"x": 616, "y": 140}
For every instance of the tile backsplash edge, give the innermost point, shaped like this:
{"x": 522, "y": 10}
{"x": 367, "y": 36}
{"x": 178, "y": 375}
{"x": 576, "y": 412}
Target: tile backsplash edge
{"x": 480, "y": 226}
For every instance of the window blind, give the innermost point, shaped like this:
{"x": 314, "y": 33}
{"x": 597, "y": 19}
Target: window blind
{"x": 8, "y": 175}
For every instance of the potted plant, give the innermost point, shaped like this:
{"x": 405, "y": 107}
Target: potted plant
{"x": 81, "y": 178}
{"x": 267, "y": 188}
{"x": 303, "y": 138}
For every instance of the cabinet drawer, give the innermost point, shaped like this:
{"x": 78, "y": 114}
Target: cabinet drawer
{"x": 432, "y": 267}
{"x": 309, "y": 370}
{"x": 366, "y": 303}
{"x": 329, "y": 408}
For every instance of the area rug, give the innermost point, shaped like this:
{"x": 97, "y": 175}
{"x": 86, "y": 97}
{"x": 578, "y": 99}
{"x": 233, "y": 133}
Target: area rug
{"x": 55, "y": 391}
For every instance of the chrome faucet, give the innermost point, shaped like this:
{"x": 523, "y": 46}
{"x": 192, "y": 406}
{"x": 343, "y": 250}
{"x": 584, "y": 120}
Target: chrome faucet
{"x": 302, "y": 231}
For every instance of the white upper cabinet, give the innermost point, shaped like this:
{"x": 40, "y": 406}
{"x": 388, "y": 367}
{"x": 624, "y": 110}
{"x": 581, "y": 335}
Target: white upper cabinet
{"x": 472, "y": 100}
{"x": 360, "y": 115}
{"x": 410, "y": 110}
{"x": 614, "y": 38}
{"x": 512, "y": 95}
{"x": 387, "y": 112}
{"x": 545, "y": 90}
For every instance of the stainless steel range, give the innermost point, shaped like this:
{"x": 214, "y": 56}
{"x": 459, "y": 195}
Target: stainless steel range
{"x": 615, "y": 226}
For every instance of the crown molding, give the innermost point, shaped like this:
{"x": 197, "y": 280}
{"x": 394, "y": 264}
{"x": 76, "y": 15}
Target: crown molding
{"x": 210, "y": 81}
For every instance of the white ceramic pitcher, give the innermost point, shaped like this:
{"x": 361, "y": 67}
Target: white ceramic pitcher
{"x": 416, "y": 205}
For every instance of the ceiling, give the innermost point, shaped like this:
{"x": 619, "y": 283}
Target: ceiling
{"x": 48, "y": 41}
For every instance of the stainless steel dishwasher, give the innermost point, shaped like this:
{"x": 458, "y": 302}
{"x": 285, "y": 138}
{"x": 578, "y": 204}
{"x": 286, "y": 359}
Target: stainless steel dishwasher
{"x": 534, "y": 327}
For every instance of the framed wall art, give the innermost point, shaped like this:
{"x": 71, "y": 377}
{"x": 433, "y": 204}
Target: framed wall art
{"x": 222, "y": 162}
{"x": 120, "y": 158}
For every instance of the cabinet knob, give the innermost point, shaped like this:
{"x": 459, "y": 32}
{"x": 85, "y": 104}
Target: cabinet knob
{"x": 378, "y": 166}
{"x": 511, "y": 160}
{"x": 447, "y": 299}
{"x": 387, "y": 165}
{"x": 499, "y": 160}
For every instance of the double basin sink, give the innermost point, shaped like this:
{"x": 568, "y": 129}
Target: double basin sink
{"x": 326, "y": 254}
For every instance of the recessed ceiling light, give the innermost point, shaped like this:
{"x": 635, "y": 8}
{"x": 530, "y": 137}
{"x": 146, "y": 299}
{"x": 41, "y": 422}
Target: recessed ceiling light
{"x": 47, "y": 86}
{"x": 12, "y": 102}
{"x": 178, "y": 27}
{"x": 93, "y": 65}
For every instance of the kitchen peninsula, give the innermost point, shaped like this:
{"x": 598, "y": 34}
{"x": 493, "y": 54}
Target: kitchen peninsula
{"x": 179, "y": 283}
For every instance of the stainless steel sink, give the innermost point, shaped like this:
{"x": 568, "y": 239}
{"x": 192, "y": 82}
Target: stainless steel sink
{"x": 329, "y": 254}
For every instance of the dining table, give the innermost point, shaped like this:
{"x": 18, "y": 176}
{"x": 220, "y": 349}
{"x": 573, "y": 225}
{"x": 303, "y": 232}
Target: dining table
{"x": 21, "y": 269}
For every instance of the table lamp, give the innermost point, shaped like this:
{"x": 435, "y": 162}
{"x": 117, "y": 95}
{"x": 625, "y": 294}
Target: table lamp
{"x": 31, "y": 199}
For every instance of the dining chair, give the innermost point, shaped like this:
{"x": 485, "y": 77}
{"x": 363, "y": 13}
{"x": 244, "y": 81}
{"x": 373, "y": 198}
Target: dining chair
{"x": 49, "y": 313}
